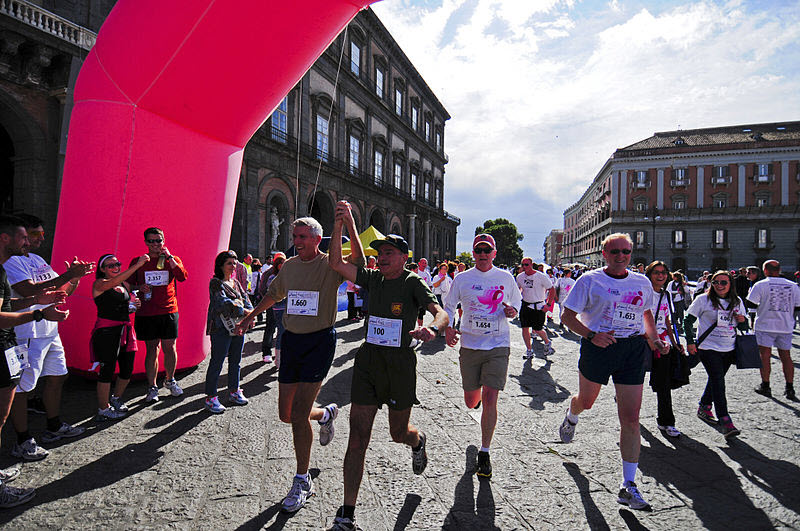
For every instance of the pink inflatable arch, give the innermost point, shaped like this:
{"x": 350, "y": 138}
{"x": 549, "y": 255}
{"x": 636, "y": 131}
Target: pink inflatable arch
{"x": 164, "y": 105}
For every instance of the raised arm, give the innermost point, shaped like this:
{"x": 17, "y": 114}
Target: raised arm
{"x": 344, "y": 216}
{"x": 105, "y": 284}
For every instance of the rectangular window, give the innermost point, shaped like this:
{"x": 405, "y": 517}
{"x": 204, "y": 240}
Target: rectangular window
{"x": 763, "y": 173}
{"x": 398, "y": 101}
{"x": 679, "y": 173}
{"x": 641, "y": 176}
{"x": 719, "y": 238}
{"x": 379, "y": 81}
{"x": 763, "y": 238}
{"x": 398, "y": 175}
{"x": 762, "y": 201}
{"x": 438, "y": 141}
{"x": 355, "y": 150}
{"x": 378, "y": 168}
{"x": 721, "y": 202}
{"x": 414, "y": 118}
{"x": 323, "y": 139}
{"x": 639, "y": 239}
{"x": 640, "y": 206}
{"x": 679, "y": 237}
{"x": 679, "y": 204}
{"x": 721, "y": 171}
{"x": 413, "y": 190}
{"x": 279, "y": 121}
{"x": 355, "y": 58}
{"x": 427, "y": 191}
{"x": 438, "y": 198}
{"x": 427, "y": 130}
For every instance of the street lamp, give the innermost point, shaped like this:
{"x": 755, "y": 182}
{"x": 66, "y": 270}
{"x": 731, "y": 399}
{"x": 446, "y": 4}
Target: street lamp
{"x": 653, "y": 218}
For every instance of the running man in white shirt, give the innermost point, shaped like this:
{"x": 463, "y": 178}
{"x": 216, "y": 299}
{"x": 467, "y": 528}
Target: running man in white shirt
{"x": 614, "y": 309}
{"x": 563, "y": 288}
{"x": 776, "y": 299}
{"x": 488, "y": 297}
{"x": 537, "y": 293}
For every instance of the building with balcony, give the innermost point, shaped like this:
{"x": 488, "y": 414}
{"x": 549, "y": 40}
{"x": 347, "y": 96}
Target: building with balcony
{"x": 360, "y": 125}
{"x": 552, "y": 247}
{"x": 715, "y": 198}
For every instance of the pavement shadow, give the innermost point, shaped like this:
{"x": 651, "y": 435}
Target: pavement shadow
{"x": 434, "y": 346}
{"x": 537, "y": 383}
{"x": 631, "y": 521}
{"x": 407, "y": 511}
{"x": 470, "y": 511}
{"x": 594, "y": 517}
{"x": 344, "y": 358}
{"x": 336, "y": 388}
{"x": 273, "y": 511}
{"x": 780, "y": 479}
{"x": 696, "y": 472}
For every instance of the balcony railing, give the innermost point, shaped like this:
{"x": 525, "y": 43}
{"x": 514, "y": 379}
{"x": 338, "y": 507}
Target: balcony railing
{"x": 34, "y": 16}
{"x": 679, "y": 182}
{"x": 640, "y": 184}
{"x": 680, "y": 245}
{"x": 717, "y": 246}
{"x": 721, "y": 180}
{"x": 763, "y": 178}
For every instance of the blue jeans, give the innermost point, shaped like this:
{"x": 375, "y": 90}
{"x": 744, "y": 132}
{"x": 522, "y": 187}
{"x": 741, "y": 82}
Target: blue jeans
{"x": 278, "y": 314}
{"x": 222, "y": 345}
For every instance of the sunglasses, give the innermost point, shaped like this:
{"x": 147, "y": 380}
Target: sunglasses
{"x": 113, "y": 265}
{"x": 719, "y": 282}
{"x": 617, "y": 251}
{"x": 482, "y": 250}
{"x": 35, "y": 233}
{"x": 159, "y": 240}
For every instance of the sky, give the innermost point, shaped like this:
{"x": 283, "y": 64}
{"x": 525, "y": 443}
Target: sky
{"x": 542, "y": 92}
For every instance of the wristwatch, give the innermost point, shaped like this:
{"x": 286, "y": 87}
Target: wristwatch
{"x": 434, "y": 328}
{"x": 590, "y": 335}
{"x": 38, "y": 315}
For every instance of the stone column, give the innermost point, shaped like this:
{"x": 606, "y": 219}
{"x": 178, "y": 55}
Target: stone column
{"x": 426, "y": 244}
{"x": 412, "y": 235}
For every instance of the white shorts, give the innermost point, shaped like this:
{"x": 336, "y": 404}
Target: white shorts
{"x": 781, "y": 341}
{"x": 46, "y": 358}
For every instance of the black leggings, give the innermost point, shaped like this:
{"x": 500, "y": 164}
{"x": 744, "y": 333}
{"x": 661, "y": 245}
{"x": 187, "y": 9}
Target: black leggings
{"x": 716, "y": 364}
{"x": 105, "y": 342}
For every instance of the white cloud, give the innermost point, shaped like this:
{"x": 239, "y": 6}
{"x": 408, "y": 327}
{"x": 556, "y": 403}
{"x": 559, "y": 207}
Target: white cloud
{"x": 542, "y": 93}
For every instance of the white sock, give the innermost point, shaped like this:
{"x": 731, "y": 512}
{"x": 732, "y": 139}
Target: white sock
{"x": 325, "y": 416}
{"x": 629, "y": 471}
{"x": 484, "y": 449}
{"x": 573, "y": 418}
{"x": 305, "y": 477}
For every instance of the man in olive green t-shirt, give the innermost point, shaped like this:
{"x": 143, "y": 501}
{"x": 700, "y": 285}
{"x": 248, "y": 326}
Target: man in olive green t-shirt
{"x": 308, "y": 344}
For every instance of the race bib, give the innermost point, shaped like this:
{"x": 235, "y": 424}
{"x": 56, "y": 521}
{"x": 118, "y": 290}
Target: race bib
{"x": 483, "y": 325}
{"x": 17, "y": 359}
{"x": 302, "y": 302}
{"x": 384, "y": 332}
{"x": 724, "y": 319}
{"x": 627, "y": 318}
{"x": 43, "y": 276}
{"x": 156, "y": 278}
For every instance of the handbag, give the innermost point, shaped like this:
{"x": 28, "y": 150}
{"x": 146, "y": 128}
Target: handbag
{"x": 747, "y": 354}
{"x": 649, "y": 360}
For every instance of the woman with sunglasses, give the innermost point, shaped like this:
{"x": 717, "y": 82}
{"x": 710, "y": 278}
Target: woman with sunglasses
{"x": 113, "y": 341}
{"x": 228, "y": 304}
{"x": 718, "y": 313}
{"x": 658, "y": 274}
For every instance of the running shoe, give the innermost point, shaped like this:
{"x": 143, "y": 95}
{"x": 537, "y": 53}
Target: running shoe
{"x": 567, "y": 429}
{"x": 484, "y": 465}
{"x": 790, "y": 394}
{"x": 326, "y": 429}
{"x": 671, "y": 431}
{"x": 704, "y": 413}
{"x": 267, "y": 358}
{"x": 528, "y": 354}
{"x": 763, "y": 389}
{"x": 301, "y": 491}
{"x": 109, "y": 413}
{"x": 548, "y": 349}
{"x": 152, "y": 395}
{"x": 237, "y": 397}
{"x": 343, "y": 524}
{"x": 174, "y": 388}
{"x": 9, "y": 474}
{"x": 29, "y": 451}
{"x": 36, "y": 405}
{"x": 65, "y": 431}
{"x": 213, "y": 405}
{"x": 728, "y": 429}
{"x": 629, "y": 495}
{"x": 118, "y": 404}
{"x": 12, "y": 496}
{"x": 419, "y": 457}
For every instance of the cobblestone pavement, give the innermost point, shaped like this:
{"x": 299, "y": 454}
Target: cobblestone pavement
{"x": 174, "y": 466}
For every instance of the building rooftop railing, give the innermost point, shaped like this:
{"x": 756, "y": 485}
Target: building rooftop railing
{"x": 42, "y": 19}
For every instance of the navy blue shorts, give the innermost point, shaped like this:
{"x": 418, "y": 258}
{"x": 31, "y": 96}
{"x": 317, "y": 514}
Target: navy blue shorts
{"x": 306, "y": 358}
{"x": 623, "y": 360}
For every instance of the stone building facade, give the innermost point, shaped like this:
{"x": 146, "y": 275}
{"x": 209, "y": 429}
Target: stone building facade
{"x": 552, "y": 247}
{"x": 379, "y": 111}
{"x": 361, "y": 125}
{"x": 715, "y": 198}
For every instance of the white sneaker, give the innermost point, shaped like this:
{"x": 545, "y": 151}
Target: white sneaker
{"x": 671, "y": 431}
{"x": 326, "y": 429}
{"x": 152, "y": 395}
{"x": 29, "y": 451}
{"x": 237, "y": 397}
{"x": 109, "y": 413}
{"x": 528, "y": 354}
{"x": 267, "y": 358}
{"x": 567, "y": 429}
{"x": 629, "y": 495}
{"x": 9, "y": 474}
{"x": 64, "y": 431}
{"x": 300, "y": 492}
{"x": 174, "y": 388}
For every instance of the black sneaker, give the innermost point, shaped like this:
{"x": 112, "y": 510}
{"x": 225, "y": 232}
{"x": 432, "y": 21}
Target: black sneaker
{"x": 764, "y": 389}
{"x": 484, "y": 465}
{"x": 790, "y": 394}
{"x": 419, "y": 457}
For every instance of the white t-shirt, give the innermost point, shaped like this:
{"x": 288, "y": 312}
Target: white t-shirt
{"x": 661, "y": 313}
{"x": 484, "y": 325}
{"x": 608, "y": 304}
{"x": 723, "y": 337}
{"x": 534, "y": 287}
{"x": 676, "y": 290}
{"x": 33, "y": 268}
{"x": 426, "y": 276}
{"x": 777, "y": 298}
{"x": 444, "y": 287}
{"x": 564, "y": 287}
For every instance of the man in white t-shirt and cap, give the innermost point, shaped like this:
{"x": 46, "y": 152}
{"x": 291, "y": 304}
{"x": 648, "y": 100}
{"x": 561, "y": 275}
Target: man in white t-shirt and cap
{"x": 776, "y": 299}
{"x": 489, "y": 297}
{"x": 610, "y": 309}
{"x": 537, "y": 293}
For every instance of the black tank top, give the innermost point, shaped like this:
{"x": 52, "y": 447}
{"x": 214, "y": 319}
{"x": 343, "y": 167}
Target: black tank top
{"x": 111, "y": 304}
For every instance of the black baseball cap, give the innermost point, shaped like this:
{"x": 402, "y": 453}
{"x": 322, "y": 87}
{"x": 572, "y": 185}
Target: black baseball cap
{"x": 392, "y": 239}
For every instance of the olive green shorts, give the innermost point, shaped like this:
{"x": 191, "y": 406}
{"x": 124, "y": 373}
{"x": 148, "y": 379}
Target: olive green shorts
{"x": 385, "y": 375}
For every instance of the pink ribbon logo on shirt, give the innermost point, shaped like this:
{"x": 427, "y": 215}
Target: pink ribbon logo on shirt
{"x": 492, "y": 298}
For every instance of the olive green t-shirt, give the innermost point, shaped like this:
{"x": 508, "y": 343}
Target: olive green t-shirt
{"x": 399, "y": 298}
{"x": 312, "y": 276}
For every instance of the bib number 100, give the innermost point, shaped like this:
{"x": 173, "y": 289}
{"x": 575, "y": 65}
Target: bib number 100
{"x": 378, "y": 331}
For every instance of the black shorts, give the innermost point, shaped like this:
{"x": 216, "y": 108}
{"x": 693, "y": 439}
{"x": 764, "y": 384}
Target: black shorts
{"x": 151, "y": 327}
{"x": 5, "y": 377}
{"x": 530, "y": 318}
{"x": 384, "y": 375}
{"x": 306, "y": 358}
{"x": 623, "y": 360}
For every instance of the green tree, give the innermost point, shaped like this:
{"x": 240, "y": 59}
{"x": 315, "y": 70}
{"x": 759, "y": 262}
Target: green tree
{"x": 466, "y": 257}
{"x": 505, "y": 235}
